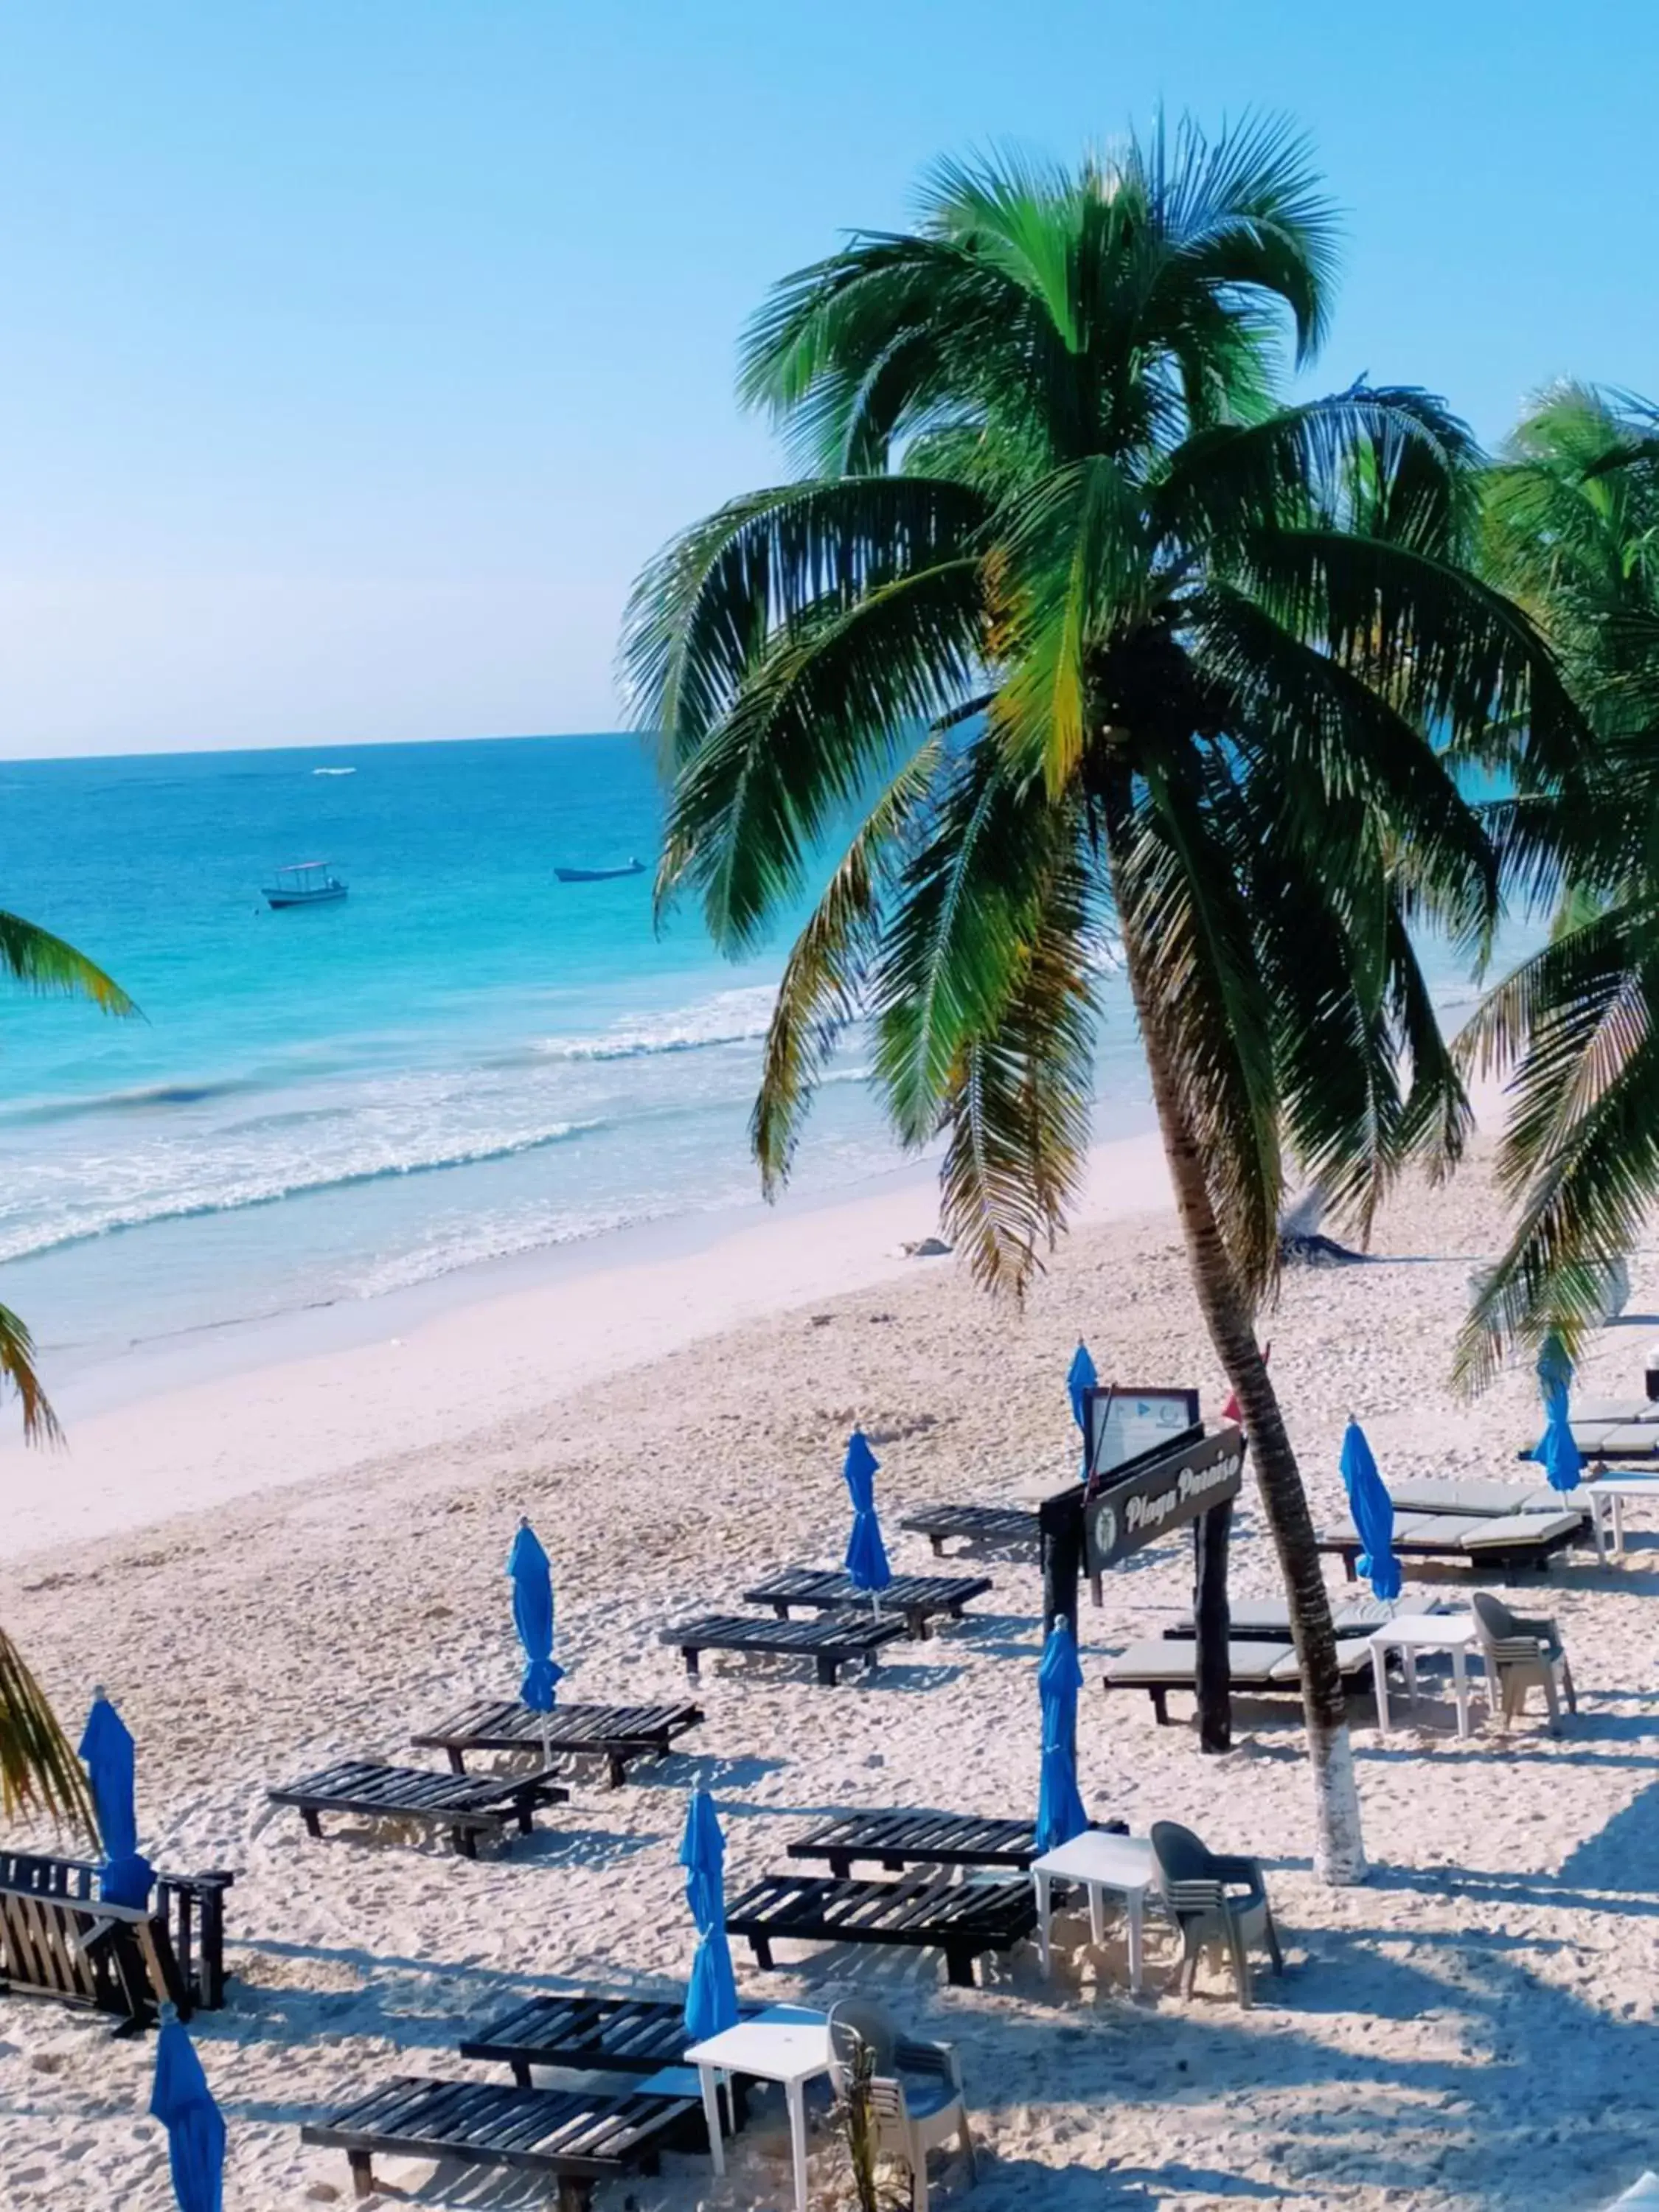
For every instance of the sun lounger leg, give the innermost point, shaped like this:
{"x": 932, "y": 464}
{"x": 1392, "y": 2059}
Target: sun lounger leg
{"x": 466, "y": 1843}
{"x": 1160, "y": 1706}
{"x": 617, "y": 1768}
{"x": 690, "y": 1658}
{"x": 313, "y": 1819}
{"x": 781, "y": 1608}
{"x": 362, "y": 2173}
{"x": 760, "y": 1946}
{"x": 457, "y": 1760}
{"x": 959, "y": 1967}
{"x": 827, "y": 1671}
{"x": 574, "y": 2195}
{"x": 937, "y": 1543}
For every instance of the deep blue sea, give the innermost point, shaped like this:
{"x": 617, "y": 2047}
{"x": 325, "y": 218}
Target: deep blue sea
{"x": 464, "y": 1061}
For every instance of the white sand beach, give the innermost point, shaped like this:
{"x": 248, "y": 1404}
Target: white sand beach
{"x": 274, "y": 1568}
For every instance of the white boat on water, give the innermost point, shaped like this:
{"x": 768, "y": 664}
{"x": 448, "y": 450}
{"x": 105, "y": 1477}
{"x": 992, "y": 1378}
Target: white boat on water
{"x": 305, "y": 882}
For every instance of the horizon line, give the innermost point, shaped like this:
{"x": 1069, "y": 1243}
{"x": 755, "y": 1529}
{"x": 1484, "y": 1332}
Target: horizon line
{"x": 309, "y": 745}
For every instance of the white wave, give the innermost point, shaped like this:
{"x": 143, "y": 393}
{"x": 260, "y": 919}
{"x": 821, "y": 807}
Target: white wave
{"x": 142, "y": 1207}
{"x": 334, "y": 771}
{"x": 729, "y": 1018}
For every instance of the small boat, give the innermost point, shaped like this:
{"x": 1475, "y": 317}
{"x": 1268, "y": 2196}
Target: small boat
{"x": 305, "y": 882}
{"x": 598, "y": 875}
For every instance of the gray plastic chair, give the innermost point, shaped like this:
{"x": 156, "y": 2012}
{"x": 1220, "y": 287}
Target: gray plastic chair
{"x": 915, "y": 2089}
{"x": 1523, "y": 1651}
{"x": 1214, "y": 1899}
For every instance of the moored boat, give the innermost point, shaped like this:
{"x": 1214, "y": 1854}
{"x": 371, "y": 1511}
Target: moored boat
{"x": 598, "y": 875}
{"x": 305, "y": 882}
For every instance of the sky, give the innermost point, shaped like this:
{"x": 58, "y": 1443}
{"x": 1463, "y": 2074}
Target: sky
{"x": 354, "y": 358}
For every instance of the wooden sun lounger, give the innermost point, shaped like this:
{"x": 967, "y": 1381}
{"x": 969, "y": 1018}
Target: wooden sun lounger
{"x": 1515, "y": 1541}
{"x": 574, "y": 2137}
{"x": 831, "y": 1643}
{"x": 1261, "y": 1670}
{"x": 58, "y": 1939}
{"x": 623, "y": 2035}
{"x": 616, "y": 1733}
{"x": 1003, "y": 1526}
{"x": 1268, "y": 1620}
{"x": 897, "y": 1840}
{"x": 962, "y": 1919}
{"x": 914, "y": 1598}
{"x": 468, "y": 1805}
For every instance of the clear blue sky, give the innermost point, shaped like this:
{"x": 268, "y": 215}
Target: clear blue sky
{"x": 356, "y": 352}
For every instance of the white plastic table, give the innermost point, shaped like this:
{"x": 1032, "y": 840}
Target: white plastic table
{"x": 1411, "y": 1633}
{"x": 1611, "y": 1491}
{"x": 1122, "y": 1865}
{"x": 784, "y": 2044}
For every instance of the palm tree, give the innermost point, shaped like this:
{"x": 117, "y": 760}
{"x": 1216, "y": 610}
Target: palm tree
{"x": 1083, "y": 630}
{"x": 1572, "y": 530}
{"x": 38, "y": 1769}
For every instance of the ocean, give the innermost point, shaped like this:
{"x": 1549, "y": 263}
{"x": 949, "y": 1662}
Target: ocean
{"x": 463, "y": 1061}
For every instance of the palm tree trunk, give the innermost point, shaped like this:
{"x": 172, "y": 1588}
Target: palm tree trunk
{"x": 1339, "y": 1845}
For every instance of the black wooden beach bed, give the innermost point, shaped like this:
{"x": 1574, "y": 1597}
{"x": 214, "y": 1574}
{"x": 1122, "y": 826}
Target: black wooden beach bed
{"x": 575, "y": 2137}
{"x": 626, "y": 2035}
{"x": 962, "y": 1919}
{"x": 914, "y": 1598}
{"x": 897, "y": 1840}
{"x": 1002, "y": 1525}
{"x": 831, "y": 1643}
{"x": 617, "y": 1734}
{"x": 468, "y": 1805}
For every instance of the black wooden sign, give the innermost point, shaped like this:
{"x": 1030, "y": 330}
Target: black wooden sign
{"x": 1161, "y": 1495}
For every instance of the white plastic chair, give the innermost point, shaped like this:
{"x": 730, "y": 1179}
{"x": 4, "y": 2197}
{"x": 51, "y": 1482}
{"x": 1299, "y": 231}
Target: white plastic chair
{"x": 1522, "y": 1652}
{"x": 915, "y": 2089}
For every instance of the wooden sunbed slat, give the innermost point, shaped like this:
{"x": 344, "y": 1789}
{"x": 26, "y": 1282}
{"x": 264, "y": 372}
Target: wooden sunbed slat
{"x": 918, "y": 1838}
{"x": 916, "y": 1598}
{"x": 1002, "y": 1525}
{"x": 961, "y": 1919}
{"x": 831, "y": 1643}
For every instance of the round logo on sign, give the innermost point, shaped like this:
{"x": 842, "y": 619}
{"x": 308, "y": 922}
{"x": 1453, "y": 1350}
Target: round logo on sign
{"x": 1106, "y": 1532}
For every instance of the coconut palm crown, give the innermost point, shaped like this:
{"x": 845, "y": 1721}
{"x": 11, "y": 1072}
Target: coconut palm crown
{"x": 1572, "y": 528}
{"x": 1091, "y": 635}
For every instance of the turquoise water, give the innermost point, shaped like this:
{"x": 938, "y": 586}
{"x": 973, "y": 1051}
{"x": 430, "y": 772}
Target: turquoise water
{"x": 464, "y": 1060}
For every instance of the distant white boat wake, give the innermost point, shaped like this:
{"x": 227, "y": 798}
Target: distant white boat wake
{"x": 334, "y": 771}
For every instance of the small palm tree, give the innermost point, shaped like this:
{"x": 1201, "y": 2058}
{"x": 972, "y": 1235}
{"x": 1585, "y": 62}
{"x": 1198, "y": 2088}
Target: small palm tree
{"x": 1572, "y": 530}
{"x": 38, "y": 1769}
{"x": 1090, "y": 635}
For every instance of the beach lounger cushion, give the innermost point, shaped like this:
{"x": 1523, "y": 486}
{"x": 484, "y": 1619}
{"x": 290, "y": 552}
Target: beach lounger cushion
{"x": 1158, "y": 1666}
{"x": 831, "y": 1643}
{"x": 961, "y": 1918}
{"x": 1268, "y": 1619}
{"x": 1474, "y": 1498}
{"x": 914, "y": 1599}
{"x": 576, "y": 2138}
{"x": 616, "y": 1733}
{"x": 468, "y": 1805}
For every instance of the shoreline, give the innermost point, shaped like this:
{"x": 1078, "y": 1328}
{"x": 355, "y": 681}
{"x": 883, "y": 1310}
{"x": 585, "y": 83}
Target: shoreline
{"x": 306, "y": 1396}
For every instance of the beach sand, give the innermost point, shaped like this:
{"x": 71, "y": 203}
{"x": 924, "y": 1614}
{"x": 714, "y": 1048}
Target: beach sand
{"x": 1472, "y": 2027}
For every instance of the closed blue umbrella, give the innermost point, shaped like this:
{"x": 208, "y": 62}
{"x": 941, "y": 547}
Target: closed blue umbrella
{"x": 1060, "y": 1809}
{"x": 183, "y": 2102}
{"x": 866, "y": 1555}
{"x": 711, "y": 1995}
{"x": 106, "y": 1753}
{"x": 1372, "y": 1511}
{"x": 533, "y": 1616}
{"x": 1556, "y": 1452}
{"x": 1080, "y": 1376}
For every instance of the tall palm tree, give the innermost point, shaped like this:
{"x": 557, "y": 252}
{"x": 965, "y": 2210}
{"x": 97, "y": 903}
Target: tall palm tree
{"x": 1083, "y": 630}
{"x": 38, "y": 1769}
{"x": 1572, "y": 530}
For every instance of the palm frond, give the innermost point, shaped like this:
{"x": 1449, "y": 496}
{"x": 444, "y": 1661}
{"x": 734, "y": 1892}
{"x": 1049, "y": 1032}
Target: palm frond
{"x": 39, "y": 1772}
{"x": 18, "y": 1373}
{"x": 32, "y": 957}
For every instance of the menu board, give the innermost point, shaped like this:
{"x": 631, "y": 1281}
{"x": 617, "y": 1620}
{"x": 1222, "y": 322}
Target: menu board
{"x": 1125, "y": 1425}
